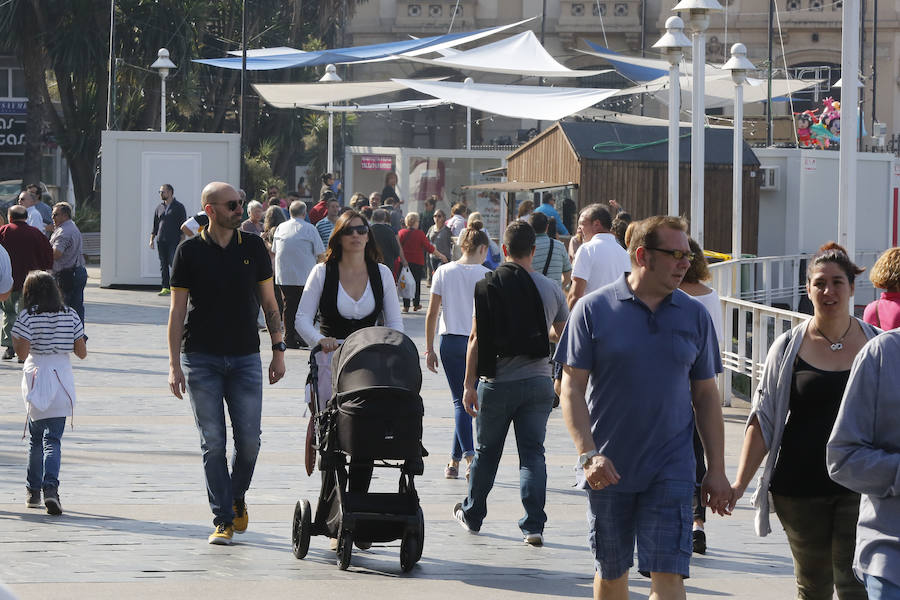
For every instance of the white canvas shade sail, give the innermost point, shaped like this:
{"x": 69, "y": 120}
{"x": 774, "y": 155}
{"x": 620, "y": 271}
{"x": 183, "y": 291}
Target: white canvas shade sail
{"x": 296, "y": 95}
{"x": 521, "y": 54}
{"x": 384, "y": 107}
{"x": 719, "y": 90}
{"x": 516, "y": 101}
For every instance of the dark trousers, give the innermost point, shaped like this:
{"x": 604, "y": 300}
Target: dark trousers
{"x": 822, "y": 534}
{"x": 291, "y": 297}
{"x": 418, "y": 271}
{"x": 166, "y": 251}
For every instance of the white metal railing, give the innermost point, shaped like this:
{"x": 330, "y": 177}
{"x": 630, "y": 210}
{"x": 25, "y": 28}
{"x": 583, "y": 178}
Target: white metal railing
{"x": 781, "y": 280}
{"x": 748, "y": 331}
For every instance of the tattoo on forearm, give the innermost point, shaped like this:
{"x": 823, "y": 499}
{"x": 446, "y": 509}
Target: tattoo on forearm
{"x": 273, "y": 322}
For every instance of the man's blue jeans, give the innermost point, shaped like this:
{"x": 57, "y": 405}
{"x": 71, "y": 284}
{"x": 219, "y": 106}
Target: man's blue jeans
{"x": 44, "y": 453}
{"x": 238, "y": 381}
{"x": 526, "y": 404}
{"x": 879, "y": 588}
{"x": 74, "y": 298}
{"x": 166, "y": 251}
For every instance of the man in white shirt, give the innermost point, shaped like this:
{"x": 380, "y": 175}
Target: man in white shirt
{"x": 28, "y": 200}
{"x": 600, "y": 260}
{"x": 298, "y": 247}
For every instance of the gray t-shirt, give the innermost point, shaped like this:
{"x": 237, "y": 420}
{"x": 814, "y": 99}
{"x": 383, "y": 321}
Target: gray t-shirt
{"x": 555, "y": 310}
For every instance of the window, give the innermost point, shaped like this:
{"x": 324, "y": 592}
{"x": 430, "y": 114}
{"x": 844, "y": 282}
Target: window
{"x": 816, "y": 5}
{"x": 414, "y": 10}
{"x": 598, "y": 10}
{"x": 18, "y": 84}
{"x": 457, "y": 11}
{"x": 435, "y": 11}
{"x": 793, "y": 5}
{"x": 578, "y": 10}
{"x": 621, "y": 9}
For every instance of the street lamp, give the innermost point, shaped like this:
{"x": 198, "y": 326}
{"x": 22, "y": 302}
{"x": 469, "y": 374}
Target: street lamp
{"x": 163, "y": 64}
{"x": 698, "y": 19}
{"x": 739, "y": 66}
{"x": 469, "y": 81}
{"x": 330, "y": 76}
{"x": 672, "y": 45}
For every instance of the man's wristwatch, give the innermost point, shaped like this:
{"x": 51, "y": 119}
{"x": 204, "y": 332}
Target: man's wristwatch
{"x": 585, "y": 458}
{"x": 279, "y": 347}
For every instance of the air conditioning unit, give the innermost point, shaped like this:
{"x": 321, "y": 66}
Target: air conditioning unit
{"x": 768, "y": 178}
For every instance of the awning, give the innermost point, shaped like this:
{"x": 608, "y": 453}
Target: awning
{"x": 297, "y": 95}
{"x": 517, "y": 101}
{"x": 297, "y": 58}
{"x": 521, "y": 54}
{"x": 385, "y": 107}
{"x": 719, "y": 89}
{"x": 518, "y": 186}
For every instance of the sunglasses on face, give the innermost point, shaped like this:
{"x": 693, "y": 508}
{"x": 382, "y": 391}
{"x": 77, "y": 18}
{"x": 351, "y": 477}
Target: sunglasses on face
{"x": 231, "y": 205}
{"x": 676, "y": 254}
{"x": 351, "y": 229}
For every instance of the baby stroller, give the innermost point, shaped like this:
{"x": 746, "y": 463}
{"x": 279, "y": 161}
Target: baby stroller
{"x": 374, "y": 416}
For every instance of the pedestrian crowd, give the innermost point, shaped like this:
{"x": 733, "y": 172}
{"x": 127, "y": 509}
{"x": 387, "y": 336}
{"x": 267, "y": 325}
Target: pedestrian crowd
{"x": 618, "y": 329}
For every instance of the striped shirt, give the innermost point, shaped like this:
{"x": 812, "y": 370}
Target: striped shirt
{"x": 49, "y": 333}
{"x": 325, "y": 228}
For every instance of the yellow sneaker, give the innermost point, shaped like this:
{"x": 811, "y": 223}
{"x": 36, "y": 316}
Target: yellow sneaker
{"x": 164, "y": 292}
{"x": 222, "y": 536}
{"x": 241, "y": 518}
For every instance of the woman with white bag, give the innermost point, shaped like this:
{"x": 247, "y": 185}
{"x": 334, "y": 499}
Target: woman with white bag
{"x": 43, "y": 335}
{"x": 415, "y": 245}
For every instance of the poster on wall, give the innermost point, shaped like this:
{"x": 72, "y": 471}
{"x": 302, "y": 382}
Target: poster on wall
{"x": 376, "y": 162}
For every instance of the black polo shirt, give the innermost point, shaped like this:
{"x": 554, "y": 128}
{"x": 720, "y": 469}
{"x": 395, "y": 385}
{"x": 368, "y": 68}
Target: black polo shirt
{"x": 223, "y": 286}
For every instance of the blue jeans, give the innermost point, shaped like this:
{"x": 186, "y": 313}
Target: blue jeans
{"x": 880, "y": 588}
{"x": 166, "y": 251}
{"x": 453, "y": 355}
{"x": 44, "y": 452}
{"x": 237, "y": 380}
{"x": 74, "y": 298}
{"x": 526, "y": 404}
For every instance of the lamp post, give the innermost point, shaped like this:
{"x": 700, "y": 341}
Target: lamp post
{"x": 739, "y": 66}
{"x": 698, "y": 19}
{"x": 330, "y": 76}
{"x": 470, "y": 81}
{"x": 849, "y": 129}
{"x": 163, "y": 64}
{"x": 672, "y": 45}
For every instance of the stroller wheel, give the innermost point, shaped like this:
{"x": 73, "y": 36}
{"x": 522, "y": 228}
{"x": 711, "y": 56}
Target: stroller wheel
{"x": 420, "y": 534}
{"x": 409, "y": 550}
{"x": 345, "y": 549}
{"x": 301, "y": 529}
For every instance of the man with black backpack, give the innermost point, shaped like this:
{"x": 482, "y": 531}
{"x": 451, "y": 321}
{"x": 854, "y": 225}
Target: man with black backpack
{"x": 518, "y": 312}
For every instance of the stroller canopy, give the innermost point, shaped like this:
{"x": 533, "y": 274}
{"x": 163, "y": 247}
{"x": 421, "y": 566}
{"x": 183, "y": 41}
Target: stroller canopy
{"x": 376, "y": 357}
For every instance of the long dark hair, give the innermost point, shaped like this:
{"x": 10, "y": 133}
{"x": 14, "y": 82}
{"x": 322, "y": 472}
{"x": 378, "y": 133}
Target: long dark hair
{"x": 335, "y": 250}
{"x": 834, "y": 253}
{"x": 40, "y": 294}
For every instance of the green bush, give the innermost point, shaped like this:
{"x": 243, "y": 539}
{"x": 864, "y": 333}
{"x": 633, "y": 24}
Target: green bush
{"x": 87, "y": 218}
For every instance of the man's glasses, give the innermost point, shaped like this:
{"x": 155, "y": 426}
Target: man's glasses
{"x": 231, "y": 205}
{"x": 676, "y": 254}
{"x": 351, "y": 229}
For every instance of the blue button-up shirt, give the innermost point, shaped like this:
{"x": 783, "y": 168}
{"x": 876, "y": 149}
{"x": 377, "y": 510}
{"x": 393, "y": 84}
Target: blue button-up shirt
{"x": 641, "y": 366}
{"x": 548, "y": 210}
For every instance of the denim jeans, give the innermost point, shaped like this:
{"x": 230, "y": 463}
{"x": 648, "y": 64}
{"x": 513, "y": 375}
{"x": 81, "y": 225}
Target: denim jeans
{"x": 238, "y": 381}
{"x": 822, "y": 534}
{"x": 74, "y": 298}
{"x": 166, "y": 251}
{"x": 526, "y": 404}
{"x": 44, "y": 452}
{"x": 453, "y": 355}
{"x": 880, "y": 588}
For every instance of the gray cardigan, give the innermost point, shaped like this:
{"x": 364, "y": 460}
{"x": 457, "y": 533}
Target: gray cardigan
{"x": 864, "y": 454}
{"x": 771, "y": 404}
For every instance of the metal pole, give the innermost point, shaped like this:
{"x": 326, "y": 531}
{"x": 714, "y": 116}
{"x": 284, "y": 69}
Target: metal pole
{"x": 242, "y": 170}
{"x": 737, "y": 181}
{"x": 698, "y": 150}
{"x": 110, "y": 92}
{"x": 874, "y": 60}
{"x": 468, "y": 128}
{"x": 162, "y": 103}
{"x": 330, "y": 142}
{"x": 674, "y": 137}
{"x": 769, "y": 75}
{"x": 849, "y": 127}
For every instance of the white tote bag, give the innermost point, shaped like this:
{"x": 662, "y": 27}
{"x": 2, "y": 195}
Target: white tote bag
{"x": 406, "y": 284}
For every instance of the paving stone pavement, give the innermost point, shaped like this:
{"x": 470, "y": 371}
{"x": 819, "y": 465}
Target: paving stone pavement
{"x": 136, "y": 515}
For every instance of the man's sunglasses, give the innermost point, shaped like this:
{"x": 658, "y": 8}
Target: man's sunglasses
{"x": 676, "y": 254}
{"x": 360, "y": 229}
{"x": 231, "y": 205}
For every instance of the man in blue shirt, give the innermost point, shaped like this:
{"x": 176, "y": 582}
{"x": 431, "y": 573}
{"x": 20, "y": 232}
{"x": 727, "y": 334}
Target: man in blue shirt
{"x": 640, "y": 359}
{"x": 547, "y": 207}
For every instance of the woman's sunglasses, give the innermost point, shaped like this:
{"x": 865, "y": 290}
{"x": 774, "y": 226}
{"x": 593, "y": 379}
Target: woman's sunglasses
{"x": 360, "y": 229}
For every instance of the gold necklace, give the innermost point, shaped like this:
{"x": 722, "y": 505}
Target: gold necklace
{"x": 837, "y": 344}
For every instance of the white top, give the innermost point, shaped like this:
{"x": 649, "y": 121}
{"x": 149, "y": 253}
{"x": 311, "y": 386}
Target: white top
{"x": 714, "y": 306}
{"x": 347, "y": 306}
{"x": 455, "y": 283}
{"x": 35, "y": 219}
{"x": 600, "y": 261}
{"x": 49, "y": 333}
{"x": 192, "y": 225}
{"x": 6, "y": 278}
{"x": 296, "y": 245}
{"x": 456, "y": 223}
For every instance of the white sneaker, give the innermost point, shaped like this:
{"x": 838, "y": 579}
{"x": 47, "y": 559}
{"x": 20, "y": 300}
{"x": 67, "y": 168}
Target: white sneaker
{"x": 534, "y": 539}
{"x": 460, "y": 517}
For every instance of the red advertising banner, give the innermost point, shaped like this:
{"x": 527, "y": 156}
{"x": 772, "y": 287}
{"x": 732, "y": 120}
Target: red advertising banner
{"x": 376, "y": 162}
